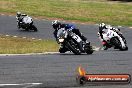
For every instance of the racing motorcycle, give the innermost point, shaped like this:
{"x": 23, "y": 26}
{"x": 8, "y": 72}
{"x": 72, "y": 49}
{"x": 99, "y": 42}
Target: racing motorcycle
{"x": 27, "y": 24}
{"x": 113, "y": 39}
{"x": 72, "y": 42}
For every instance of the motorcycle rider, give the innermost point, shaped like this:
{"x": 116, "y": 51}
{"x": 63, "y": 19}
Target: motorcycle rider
{"x": 57, "y": 25}
{"x": 20, "y": 17}
{"x": 102, "y": 28}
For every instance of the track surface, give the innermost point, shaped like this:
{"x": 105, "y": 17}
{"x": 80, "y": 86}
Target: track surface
{"x": 59, "y": 70}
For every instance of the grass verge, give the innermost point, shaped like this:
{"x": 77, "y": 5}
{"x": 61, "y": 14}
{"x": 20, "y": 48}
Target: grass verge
{"x": 91, "y": 11}
{"x": 11, "y": 45}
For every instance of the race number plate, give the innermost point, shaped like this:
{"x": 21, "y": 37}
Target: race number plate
{"x": 77, "y": 38}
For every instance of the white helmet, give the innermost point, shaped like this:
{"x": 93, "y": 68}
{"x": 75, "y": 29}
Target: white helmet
{"x": 102, "y": 25}
{"x": 18, "y": 14}
{"x": 55, "y": 22}
{"x": 108, "y": 26}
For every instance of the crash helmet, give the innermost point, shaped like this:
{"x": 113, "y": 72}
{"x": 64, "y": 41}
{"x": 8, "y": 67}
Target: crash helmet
{"x": 109, "y": 27}
{"x": 102, "y": 25}
{"x": 56, "y": 24}
{"x": 18, "y": 14}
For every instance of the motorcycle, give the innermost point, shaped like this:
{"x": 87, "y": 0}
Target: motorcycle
{"x": 72, "y": 42}
{"x": 113, "y": 39}
{"x": 27, "y": 24}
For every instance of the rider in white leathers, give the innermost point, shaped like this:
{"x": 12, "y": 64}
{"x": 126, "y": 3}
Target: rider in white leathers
{"x": 20, "y": 17}
{"x": 102, "y": 28}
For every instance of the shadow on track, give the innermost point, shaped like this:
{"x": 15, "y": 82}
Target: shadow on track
{"x": 74, "y": 54}
{"x": 22, "y": 30}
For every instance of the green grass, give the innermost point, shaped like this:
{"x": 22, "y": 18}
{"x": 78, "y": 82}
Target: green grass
{"x": 91, "y": 11}
{"x": 11, "y": 45}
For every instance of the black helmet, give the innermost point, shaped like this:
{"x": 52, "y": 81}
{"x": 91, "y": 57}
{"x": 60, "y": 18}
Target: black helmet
{"x": 18, "y": 14}
{"x": 56, "y": 24}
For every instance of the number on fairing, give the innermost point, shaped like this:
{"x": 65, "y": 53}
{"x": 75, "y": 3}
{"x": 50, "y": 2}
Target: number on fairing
{"x": 77, "y": 38}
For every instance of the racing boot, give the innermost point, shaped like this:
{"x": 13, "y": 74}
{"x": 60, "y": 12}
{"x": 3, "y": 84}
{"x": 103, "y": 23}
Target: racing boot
{"x": 83, "y": 38}
{"x": 105, "y": 47}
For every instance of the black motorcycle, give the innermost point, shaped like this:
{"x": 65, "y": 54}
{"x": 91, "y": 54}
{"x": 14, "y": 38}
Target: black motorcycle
{"x": 27, "y": 24}
{"x": 72, "y": 42}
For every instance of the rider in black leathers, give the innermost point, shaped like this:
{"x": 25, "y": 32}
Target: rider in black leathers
{"x": 57, "y": 25}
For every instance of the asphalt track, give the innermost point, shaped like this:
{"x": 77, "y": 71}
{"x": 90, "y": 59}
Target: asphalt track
{"x": 59, "y": 70}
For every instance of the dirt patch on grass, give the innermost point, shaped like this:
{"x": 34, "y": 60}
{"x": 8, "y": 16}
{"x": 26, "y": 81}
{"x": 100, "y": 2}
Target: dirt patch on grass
{"x": 7, "y": 4}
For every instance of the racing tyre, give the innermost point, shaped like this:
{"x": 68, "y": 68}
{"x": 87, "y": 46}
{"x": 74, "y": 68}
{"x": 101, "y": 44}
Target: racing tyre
{"x": 115, "y": 41}
{"x": 73, "y": 48}
{"x": 62, "y": 50}
{"x": 124, "y": 49}
{"x": 34, "y": 28}
{"x": 88, "y": 49}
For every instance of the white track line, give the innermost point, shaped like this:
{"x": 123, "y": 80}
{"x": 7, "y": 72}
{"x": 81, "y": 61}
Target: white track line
{"x": 33, "y": 38}
{"x": 97, "y": 48}
{"x": 15, "y": 36}
{"x": 45, "y": 53}
{"x": 119, "y": 26}
{"x": 10, "y": 15}
{"x": 36, "y": 18}
{"x": 24, "y": 37}
{"x": 21, "y": 84}
{"x": 2, "y": 14}
{"x": 39, "y": 39}
{"x": 83, "y": 23}
{"x": 7, "y": 35}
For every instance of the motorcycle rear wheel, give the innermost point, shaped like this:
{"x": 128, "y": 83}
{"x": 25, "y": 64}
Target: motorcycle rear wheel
{"x": 88, "y": 49}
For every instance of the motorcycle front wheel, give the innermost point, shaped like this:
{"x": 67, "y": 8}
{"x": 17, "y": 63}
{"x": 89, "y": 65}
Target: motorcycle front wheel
{"x": 72, "y": 47}
{"x": 34, "y": 28}
{"x": 115, "y": 41}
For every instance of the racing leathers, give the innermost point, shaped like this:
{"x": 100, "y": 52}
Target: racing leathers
{"x": 74, "y": 30}
{"x": 70, "y": 27}
{"x": 20, "y": 20}
{"x": 100, "y": 34}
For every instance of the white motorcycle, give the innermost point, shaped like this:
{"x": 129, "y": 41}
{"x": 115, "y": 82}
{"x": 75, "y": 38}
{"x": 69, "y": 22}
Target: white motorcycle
{"x": 113, "y": 39}
{"x": 27, "y": 24}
